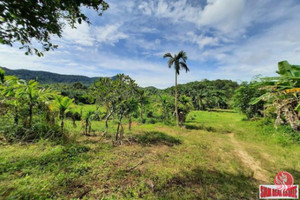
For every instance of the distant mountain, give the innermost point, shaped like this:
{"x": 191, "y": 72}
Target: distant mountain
{"x": 49, "y": 77}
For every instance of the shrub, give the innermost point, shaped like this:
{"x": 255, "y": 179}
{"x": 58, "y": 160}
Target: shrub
{"x": 151, "y": 121}
{"x": 37, "y": 131}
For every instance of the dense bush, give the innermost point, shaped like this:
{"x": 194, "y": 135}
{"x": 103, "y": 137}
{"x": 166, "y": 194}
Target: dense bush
{"x": 37, "y": 131}
{"x": 243, "y": 97}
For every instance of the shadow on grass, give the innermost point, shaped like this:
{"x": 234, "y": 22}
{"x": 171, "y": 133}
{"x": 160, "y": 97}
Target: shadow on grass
{"x": 296, "y": 175}
{"x": 191, "y": 126}
{"x": 222, "y": 111}
{"x": 207, "y": 184}
{"x": 156, "y": 137}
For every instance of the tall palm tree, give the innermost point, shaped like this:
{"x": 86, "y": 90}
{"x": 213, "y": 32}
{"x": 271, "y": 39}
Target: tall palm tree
{"x": 179, "y": 62}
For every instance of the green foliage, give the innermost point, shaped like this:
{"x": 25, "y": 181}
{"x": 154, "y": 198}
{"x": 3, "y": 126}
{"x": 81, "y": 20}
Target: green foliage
{"x": 28, "y": 20}
{"x": 88, "y": 121}
{"x": 282, "y": 94}
{"x": 63, "y": 103}
{"x": 208, "y": 94}
{"x": 243, "y": 98}
{"x": 2, "y": 75}
{"x": 34, "y": 106}
{"x": 184, "y": 107}
{"x": 176, "y": 61}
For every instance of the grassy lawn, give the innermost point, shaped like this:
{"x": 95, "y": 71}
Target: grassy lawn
{"x": 155, "y": 162}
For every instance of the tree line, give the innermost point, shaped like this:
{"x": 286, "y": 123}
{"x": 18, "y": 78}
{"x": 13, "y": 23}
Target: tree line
{"x": 31, "y": 111}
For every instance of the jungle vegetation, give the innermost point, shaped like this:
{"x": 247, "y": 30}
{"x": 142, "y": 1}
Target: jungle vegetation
{"x": 74, "y": 137}
{"x": 114, "y": 136}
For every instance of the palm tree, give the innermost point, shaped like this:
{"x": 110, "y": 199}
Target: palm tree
{"x": 63, "y": 104}
{"x": 179, "y": 62}
{"x": 88, "y": 123}
{"x": 142, "y": 100}
{"x": 32, "y": 94}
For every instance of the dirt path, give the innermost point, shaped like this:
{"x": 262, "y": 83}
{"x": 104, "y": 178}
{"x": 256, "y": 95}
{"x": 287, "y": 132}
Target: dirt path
{"x": 259, "y": 173}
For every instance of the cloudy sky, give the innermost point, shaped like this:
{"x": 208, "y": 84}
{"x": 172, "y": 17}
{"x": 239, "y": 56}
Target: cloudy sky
{"x": 225, "y": 39}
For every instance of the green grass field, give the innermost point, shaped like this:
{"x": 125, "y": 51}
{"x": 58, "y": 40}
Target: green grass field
{"x": 217, "y": 156}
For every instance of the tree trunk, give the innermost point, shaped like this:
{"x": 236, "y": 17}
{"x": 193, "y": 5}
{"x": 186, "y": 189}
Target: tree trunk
{"x": 30, "y": 115}
{"x": 176, "y": 106}
{"x": 74, "y": 121}
{"x": 141, "y": 113}
{"x": 62, "y": 123}
{"x": 118, "y": 129}
{"x": 16, "y": 117}
{"x": 86, "y": 127}
{"x": 129, "y": 124}
{"x": 90, "y": 127}
{"x": 106, "y": 121}
{"x": 106, "y": 125}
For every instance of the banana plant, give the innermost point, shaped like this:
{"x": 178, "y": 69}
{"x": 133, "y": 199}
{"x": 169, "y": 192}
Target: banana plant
{"x": 282, "y": 92}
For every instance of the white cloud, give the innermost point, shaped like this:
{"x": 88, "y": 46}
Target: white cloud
{"x": 81, "y": 35}
{"x": 87, "y": 35}
{"x": 225, "y": 15}
{"x": 201, "y": 40}
{"x": 109, "y": 34}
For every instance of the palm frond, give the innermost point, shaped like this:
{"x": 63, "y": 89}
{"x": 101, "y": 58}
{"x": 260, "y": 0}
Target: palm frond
{"x": 170, "y": 62}
{"x": 182, "y": 55}
{"x": 184, "y": 66}
{"x": 168, "y": 55}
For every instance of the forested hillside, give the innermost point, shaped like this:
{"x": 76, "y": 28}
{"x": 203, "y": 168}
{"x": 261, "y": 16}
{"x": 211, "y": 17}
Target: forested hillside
{"x": 48, "y": 77}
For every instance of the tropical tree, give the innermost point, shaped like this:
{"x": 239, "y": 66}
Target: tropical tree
{"x": 88, "y": 121}
{"x": 8, "y": 91}
{"x": 104, "y": 90}
{"x": 126, "y": 103}
{"x": 282, "y": 92}
{"x": 28, "y": 20}
{"x": 132, "y": 106}
{"x": 143, "y": 99}
{"x": 185, "y": 106}
{"x": 179, "y": 62}
{"x": 30, "y": 93}
{"x": 166, "y": 104}
{"x": 63, "y": 104}
{"x": 243, "y": 97}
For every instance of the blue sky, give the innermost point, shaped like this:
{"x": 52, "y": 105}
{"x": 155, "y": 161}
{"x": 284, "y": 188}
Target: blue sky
{"x": 225, "y": 39}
